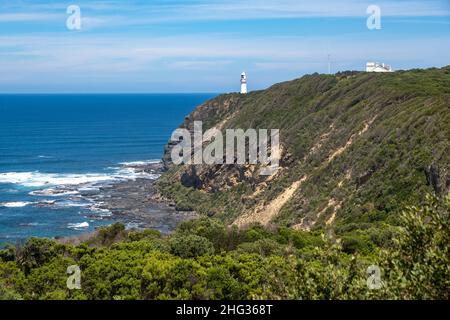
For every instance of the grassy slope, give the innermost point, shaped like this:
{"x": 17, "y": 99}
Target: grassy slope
{"x": 381, "y": 171}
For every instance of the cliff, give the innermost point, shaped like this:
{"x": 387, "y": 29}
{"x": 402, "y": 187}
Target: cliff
{"x": 356, "y": 148}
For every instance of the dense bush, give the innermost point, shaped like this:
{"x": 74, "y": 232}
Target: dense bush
{"x": 260, "y": 263}
{"x": 418, "y": 267}
{"x": 190, "y": 246}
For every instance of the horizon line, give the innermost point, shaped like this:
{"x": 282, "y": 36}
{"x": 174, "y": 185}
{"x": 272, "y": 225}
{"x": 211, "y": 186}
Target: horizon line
{"x": 108, "y": 93}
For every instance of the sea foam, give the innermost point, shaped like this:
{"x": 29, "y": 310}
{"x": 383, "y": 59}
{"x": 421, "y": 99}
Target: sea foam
{"x": 81, "y": 225}
{"x": 139, "y": 163}
{"x": 70, "y": 186}
{"x": 37, "y": 179}
{"x": 18, "y": 204}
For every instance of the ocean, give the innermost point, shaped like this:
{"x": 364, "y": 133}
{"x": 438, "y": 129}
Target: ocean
{"x": 54, "y": 148}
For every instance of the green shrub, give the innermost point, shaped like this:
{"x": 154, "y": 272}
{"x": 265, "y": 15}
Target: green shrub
{"x": 263, "y": 247}
{"x": 190, "y": 246}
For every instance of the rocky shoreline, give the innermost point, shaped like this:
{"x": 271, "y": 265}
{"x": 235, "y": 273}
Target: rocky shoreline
{"x": 136, "y": 203}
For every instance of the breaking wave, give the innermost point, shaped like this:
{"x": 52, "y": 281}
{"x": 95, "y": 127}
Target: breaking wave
{"x": 81, "y": 225}
{"x": 17, "y": 204}
{"x": 73, "y": 189}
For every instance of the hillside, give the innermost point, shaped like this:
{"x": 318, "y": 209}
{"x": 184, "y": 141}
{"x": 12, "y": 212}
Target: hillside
{"x": 357, "y": 147}
{"x": 363, "y": 186}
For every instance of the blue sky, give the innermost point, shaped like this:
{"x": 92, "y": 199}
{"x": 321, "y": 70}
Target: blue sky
{"x": 203, "y": 46}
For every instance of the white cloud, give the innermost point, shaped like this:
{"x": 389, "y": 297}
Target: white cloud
{"x": 198, "y": 65}
{"x": 121, "y": 56}
{"x": 256, "y": 9}
{"x": 123, "y": 13}
{"x": 71, "y": 54}
{"x": 20, "y": 17}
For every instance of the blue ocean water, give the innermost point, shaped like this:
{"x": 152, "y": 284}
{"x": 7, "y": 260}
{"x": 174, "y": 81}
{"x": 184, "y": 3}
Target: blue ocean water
{"x": 53, "y": 145}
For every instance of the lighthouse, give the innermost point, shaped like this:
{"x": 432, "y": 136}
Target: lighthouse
{"x": 243, "y": 83}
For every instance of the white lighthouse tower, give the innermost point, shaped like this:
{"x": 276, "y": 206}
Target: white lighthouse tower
{"x": 243, "y": 83}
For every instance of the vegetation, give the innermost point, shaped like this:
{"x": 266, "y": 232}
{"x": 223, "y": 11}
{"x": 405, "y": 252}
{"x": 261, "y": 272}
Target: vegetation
{"x": 204, "y": 259}
{"x": 363, "y": 145}
{"x": 392, "y": 130}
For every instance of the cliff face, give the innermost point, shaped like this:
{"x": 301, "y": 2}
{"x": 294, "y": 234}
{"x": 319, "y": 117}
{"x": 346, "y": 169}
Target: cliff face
{"x": 356, "y": 147}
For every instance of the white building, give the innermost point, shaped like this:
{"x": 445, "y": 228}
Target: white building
{"x": 378, "y": 67}
{"x": 243, "y": 83}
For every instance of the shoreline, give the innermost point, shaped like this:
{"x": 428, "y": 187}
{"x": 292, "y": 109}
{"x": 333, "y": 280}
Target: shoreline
{"x": 134, "y": 203}
{"x": 137, "y": 201}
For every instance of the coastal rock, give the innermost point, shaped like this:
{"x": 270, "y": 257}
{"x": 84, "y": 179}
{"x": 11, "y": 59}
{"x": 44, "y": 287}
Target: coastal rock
{"x": 190, "y": 179}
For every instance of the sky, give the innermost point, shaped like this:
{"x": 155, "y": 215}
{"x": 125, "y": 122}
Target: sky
{"x": 168, "y": 46}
